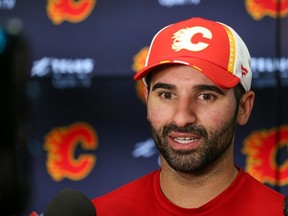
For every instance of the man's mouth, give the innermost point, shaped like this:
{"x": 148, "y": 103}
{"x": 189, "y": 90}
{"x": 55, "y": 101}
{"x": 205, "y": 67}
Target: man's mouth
{"x": 185, "y": 140}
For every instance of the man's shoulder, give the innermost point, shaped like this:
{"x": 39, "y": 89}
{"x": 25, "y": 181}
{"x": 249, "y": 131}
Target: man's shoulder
{"x": 259, "y": 189}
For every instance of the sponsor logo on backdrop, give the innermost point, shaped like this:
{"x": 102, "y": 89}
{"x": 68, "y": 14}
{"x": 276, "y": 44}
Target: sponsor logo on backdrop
{"x": 69, "y": 10}
{"x": 7, "y": 4}
{"x": 145, "y": 149}
{"x": 171, "y": 3}
{"x": 63, "y": 161}
{"x": 263, "y": 151}
{"x": 261, "y": 8}
{"x": 65, "y": 73}
{"x": 266, "y": 70}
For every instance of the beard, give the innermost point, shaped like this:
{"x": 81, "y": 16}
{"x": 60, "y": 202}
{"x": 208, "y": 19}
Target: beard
{"x": 215, "y": 144}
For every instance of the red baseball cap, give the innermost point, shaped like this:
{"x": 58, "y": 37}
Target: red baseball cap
{"x": 212, "y": 48}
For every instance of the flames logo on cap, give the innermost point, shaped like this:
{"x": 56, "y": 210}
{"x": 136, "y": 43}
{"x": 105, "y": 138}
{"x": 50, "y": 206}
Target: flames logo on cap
{"x": 261, "y": 150}
{"x": 61, "y": 144}
{"x": 69, "y": 10}
{"x": 260, "y": 8}
{"x": 183, "y": 39}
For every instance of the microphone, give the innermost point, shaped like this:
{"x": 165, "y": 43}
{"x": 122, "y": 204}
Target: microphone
{"x": 70, "y": 202}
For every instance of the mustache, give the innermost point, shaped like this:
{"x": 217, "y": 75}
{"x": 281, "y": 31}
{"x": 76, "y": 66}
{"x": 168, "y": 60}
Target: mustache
{"x": 193, "y": 129}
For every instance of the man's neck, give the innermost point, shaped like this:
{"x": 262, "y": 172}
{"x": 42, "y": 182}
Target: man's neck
{"x": 196, "y": 189}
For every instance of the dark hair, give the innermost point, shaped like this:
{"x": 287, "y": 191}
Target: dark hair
{"x": 239, "y": 91}
{"x": 147, "y": 79}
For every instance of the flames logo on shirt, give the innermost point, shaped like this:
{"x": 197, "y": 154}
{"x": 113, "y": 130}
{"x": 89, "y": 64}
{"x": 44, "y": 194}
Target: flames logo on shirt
{"x": 61, "y": 143}
{"x": 70, "y": 10}
{"x": 261, "y": 149}
{"x": 138, "y": 63}
{"x": 260, "y": 8}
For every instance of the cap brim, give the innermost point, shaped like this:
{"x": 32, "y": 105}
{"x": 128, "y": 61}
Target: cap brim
{"x": 221, "y": 77}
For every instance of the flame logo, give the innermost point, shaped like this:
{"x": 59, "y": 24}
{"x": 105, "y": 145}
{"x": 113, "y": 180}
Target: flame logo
{"x": 261, "y": 150}
{"x": 138, "y": 63}
{"x": 70, "y": 10}
{"x": 183, "y": 39}
{"x": 60, "y": 144}
{"x": 260, "y": 8}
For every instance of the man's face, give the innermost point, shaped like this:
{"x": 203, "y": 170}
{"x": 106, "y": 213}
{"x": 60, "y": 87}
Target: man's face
{"x": 192, "y": 119}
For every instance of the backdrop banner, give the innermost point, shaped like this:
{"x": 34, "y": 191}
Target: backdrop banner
{"x": 85, "y": 121}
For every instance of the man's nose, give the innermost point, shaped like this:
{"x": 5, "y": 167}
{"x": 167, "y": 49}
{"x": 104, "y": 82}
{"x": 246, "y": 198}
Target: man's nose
{"x": 184, "y": 113}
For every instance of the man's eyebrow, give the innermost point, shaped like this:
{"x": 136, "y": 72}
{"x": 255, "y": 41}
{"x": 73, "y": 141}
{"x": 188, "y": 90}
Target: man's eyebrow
{"x": 163, "y": 86}
{"x": 210, "y": 88}
{"x": 213, "y": 88}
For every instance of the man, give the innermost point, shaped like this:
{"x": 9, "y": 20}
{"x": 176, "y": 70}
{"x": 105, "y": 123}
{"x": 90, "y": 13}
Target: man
{"x": 198, "y": 80}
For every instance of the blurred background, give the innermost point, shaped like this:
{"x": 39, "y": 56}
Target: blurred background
{"x": 72, "y": 116}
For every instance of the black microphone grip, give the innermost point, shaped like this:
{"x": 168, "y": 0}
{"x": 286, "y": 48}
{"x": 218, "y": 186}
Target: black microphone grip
{"x": 70, "y": 202}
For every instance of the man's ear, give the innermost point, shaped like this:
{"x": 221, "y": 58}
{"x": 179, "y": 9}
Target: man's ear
{"x": 245, "y": 107}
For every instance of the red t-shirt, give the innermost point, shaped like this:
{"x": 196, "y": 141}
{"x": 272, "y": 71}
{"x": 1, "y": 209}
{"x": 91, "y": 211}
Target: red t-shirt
{"x": 142, "y": 197}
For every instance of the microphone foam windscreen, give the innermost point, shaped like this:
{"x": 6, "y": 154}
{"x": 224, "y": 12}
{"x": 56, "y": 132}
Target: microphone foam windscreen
{"x": 70, "y": 202}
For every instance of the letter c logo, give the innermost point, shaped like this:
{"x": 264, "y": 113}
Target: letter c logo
{"x": 183, "y": 39}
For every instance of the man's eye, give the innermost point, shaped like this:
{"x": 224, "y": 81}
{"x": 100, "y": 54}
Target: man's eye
{"x": 206, "y": 97}
{"x": 166, "y": 95}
